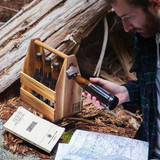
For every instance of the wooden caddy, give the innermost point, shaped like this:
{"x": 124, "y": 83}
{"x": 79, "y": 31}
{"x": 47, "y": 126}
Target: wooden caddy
{"x": 67, "y": 97}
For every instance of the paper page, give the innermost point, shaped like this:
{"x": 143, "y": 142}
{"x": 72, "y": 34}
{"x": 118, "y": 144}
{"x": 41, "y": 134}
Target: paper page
{"x": 91, "y": 145}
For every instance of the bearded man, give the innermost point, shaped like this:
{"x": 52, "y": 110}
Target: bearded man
{"x": 143, "y": 18}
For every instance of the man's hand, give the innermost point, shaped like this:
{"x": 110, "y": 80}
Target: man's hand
{"x": 115, "y": 89}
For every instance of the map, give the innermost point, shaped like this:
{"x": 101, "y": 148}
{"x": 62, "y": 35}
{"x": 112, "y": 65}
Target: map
{"x": 86, "y": 145}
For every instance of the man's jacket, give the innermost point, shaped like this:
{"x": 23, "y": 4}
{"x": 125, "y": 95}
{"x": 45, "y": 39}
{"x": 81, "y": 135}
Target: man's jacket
{"x": 143, "y": 91}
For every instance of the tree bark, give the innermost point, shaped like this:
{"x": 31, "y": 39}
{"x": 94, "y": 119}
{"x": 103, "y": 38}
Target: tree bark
{"x": 61, "y": 24}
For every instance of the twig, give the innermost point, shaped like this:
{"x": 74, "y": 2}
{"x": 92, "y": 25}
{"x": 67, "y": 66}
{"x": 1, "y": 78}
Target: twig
{"x": 105, "y": 39}
{"x": 11, "y": 9}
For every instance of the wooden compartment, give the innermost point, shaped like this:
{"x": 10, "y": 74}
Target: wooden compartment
{"x": 67, "y": 97}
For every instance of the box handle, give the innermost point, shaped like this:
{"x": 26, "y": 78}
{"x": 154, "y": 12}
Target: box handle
{"x": 61, "y": 54}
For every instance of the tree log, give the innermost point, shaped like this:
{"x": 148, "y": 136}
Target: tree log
{"x": 61, "y": 24}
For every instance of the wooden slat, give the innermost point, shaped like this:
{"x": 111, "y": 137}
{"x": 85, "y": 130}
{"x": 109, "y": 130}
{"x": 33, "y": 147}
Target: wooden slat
{"x": 37, "y": 104}
{"x": 38, "y": 87}
{"x": 72, "y": 92}
{"x": 61, "y": 54}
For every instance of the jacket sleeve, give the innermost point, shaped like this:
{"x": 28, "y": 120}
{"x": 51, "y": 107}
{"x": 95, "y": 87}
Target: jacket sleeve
{"x": 133, "y": 86}
{"x": 142, "y": 49}
{"x": 134, "y": 92}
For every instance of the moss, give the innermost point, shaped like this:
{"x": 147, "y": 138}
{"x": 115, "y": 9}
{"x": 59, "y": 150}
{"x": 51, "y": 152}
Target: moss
{"x": 65, "y": 138}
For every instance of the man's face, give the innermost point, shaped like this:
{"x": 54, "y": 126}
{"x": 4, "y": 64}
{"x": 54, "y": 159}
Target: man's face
{"x": 135, "y": 19}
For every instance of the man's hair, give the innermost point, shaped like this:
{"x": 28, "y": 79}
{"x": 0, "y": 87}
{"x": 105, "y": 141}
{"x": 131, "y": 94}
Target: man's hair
{"x": 140, "y": 3}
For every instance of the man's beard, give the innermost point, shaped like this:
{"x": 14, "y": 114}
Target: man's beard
{"x": 152, "y": 25}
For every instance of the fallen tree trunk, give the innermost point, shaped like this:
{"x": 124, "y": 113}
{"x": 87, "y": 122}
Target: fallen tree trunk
{"x": 60, "y": 24}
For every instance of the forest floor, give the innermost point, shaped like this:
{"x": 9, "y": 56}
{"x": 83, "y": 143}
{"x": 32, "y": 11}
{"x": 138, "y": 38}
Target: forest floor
{"x": 117, "y": 122}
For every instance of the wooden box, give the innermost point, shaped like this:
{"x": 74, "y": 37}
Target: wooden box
{"x": 67, "y": 97}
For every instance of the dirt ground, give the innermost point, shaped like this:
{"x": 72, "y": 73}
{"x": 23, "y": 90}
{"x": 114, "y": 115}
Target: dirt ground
{"x": 117, "y": 122}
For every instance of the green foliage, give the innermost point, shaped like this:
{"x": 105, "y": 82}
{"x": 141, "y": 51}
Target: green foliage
{"x": 65, "y": 138}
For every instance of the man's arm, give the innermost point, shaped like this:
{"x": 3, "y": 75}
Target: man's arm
{"x": 120, "y": 91}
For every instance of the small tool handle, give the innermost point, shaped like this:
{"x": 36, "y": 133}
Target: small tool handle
{"x": 58, "y": 53}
